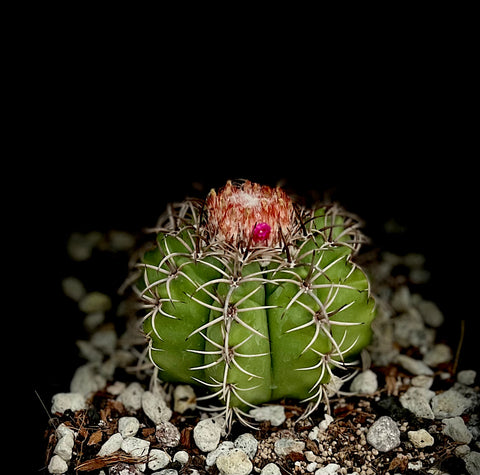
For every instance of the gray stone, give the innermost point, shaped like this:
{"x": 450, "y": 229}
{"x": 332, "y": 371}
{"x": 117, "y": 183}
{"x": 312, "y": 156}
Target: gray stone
{"x": 113, "y": 444}
{"x": 166, "y": 471}
{"x": 271, "y": 469}
{"x": 64, "y": 446}
{"x": 365, "y": 383}
{"x": 234, "y": 462}
{"x": 472, "y": 463}
{"x": 330, "y": 469}
{"x": 384, "y": 434}
{"x": 420, "y": 438}
{"x": 73, "y": 288}
{"x": 438, "y": 354}
{"x": 415, "y": 367}
{"x": 466, "y": 377}
{"x": 417, "y": 400}
{"x": 184, "y": 398}
{"x": 57, "y": 465}
{"x": 274, "y": 414}
{"x": 181, "y": 456}
{"x": 128, "y": 426}
{"x": 131, "y": 397}
{"x": 155, "y": 407}
{"x": 206, "y": 434}
{"x": 223, "y": 448}
{"x": 285, "y": 445}
{"x": 430, "y": 313}
{"x": 247, "y": 443}
{"x": 449, "y": 404}
{"x": 456, "y": 429}
{"x": 87, "y": 380}
{"x": 158, "y": 459}
{"x": 167, "y": 434}
{"x": 95, "y": 302}
{"x": 62, "y": 402}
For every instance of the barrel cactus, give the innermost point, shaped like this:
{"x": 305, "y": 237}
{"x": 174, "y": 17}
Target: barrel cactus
{"x": 254, "y": 296}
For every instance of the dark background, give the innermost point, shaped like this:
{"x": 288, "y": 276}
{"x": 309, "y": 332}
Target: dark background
{"x": 100, "y": 150}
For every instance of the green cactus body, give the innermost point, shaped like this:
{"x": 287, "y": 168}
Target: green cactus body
{"x": 254, "y": 297}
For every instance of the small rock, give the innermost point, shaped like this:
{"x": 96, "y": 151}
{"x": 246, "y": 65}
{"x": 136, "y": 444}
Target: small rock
{"x": 234, "y": 462}
{"x": 466, "y": 377}
{"x": 422, "y": 381}
{"x": 166, "y": 471}
{"x": 206, "y": 434}
{"x": 365, "y": 383}
{"x": 131, "y": 397}
{"x": 449, "y": 404}
{"x": 57, "y": 465}
{"x": 63, "y": 430}
{"x": 330, "y": 469}
{"x": 327, "y": 420}
{"x": 184, "y": 398}
{"x": 155, "y": 407}
{"x": 62, "y": 402}
{"x": 167, "y": 434}
{"x": 415, "y": 367}
{"x": 420, "y": 438}
{"x": 438, "y": 354}
{"x": 247, "y": 443}
{"x": 181, "y": 457}
{"x": 384, "y": 434}
{"x": 95, "y": 302}
{"x": 105, "y": 340}
{"x": 417, "y": 400}
{"x": 158, "y": 459}
{"x": 223, "y": 448}
{"x": 285, "y": 445}
{"x": 64, "y": 446}
{"x": 113, "y": 444}
{"x": 128, "y": 426}
{"x": 430, "y": 313}
{"x": 472, "y": 462}
{"x": 122, "y": 468}
{"x": 274, "y": 414}
{"x": 135, "y": 446}
{"x": 456, "y": 429}
{"x": 73, "y": 288}
{"x": 87, "y": 380}
{"x": 271, "y": 469}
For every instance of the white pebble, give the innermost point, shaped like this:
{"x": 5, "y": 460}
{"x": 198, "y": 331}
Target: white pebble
{"x": 223, "y": 448}
{"x": 128, "y": 426}
{"x": 384, "y": 435}
{"x": 181, "y": 456}
{"x": 131, "y": 398}
{"x": 62, "y": 402}
{"x": 158, "y": 459}
{"x": 456, "y": 429}
{"x": 207, "y": 434}
{"x": 467, "y": 377}
{"x": 274, "y": 414}
{"x": 155, "y": 407}
{"x": 73, "y": 288}
{"x": 135, "y": 446}
{"x": 247, "y": 443}
{"x": 234, "y": 462}
{"x": 95, "y": 302}
{"x": 330, "y": 469}
{"x": 285, "y": 445}
{"x": 365, "y": 383}
{"x": 64, "y": 446}
{"x": 420, "y": 438}
{"x": 270, "y": 469}
{"x": 87, "y": 379}
{"x": 57, "y": 465}
{"x": 184, "y": 398}
{"x": 113, "y": 443}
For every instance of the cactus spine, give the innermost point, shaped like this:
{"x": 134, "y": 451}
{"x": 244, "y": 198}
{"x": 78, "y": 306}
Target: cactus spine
{"x": 254, "y": 296}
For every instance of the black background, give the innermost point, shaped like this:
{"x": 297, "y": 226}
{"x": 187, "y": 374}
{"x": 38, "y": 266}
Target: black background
{"x": 96, "y": 152}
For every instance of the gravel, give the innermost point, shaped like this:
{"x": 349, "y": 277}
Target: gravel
{"x": 112, "y": 411}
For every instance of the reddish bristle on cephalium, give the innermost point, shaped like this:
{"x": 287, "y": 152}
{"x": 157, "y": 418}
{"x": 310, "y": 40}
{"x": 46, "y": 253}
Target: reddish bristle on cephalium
{"x": 249, "y": 214}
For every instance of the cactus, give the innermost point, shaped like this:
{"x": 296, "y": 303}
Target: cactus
{"x": 255, "y": 297}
